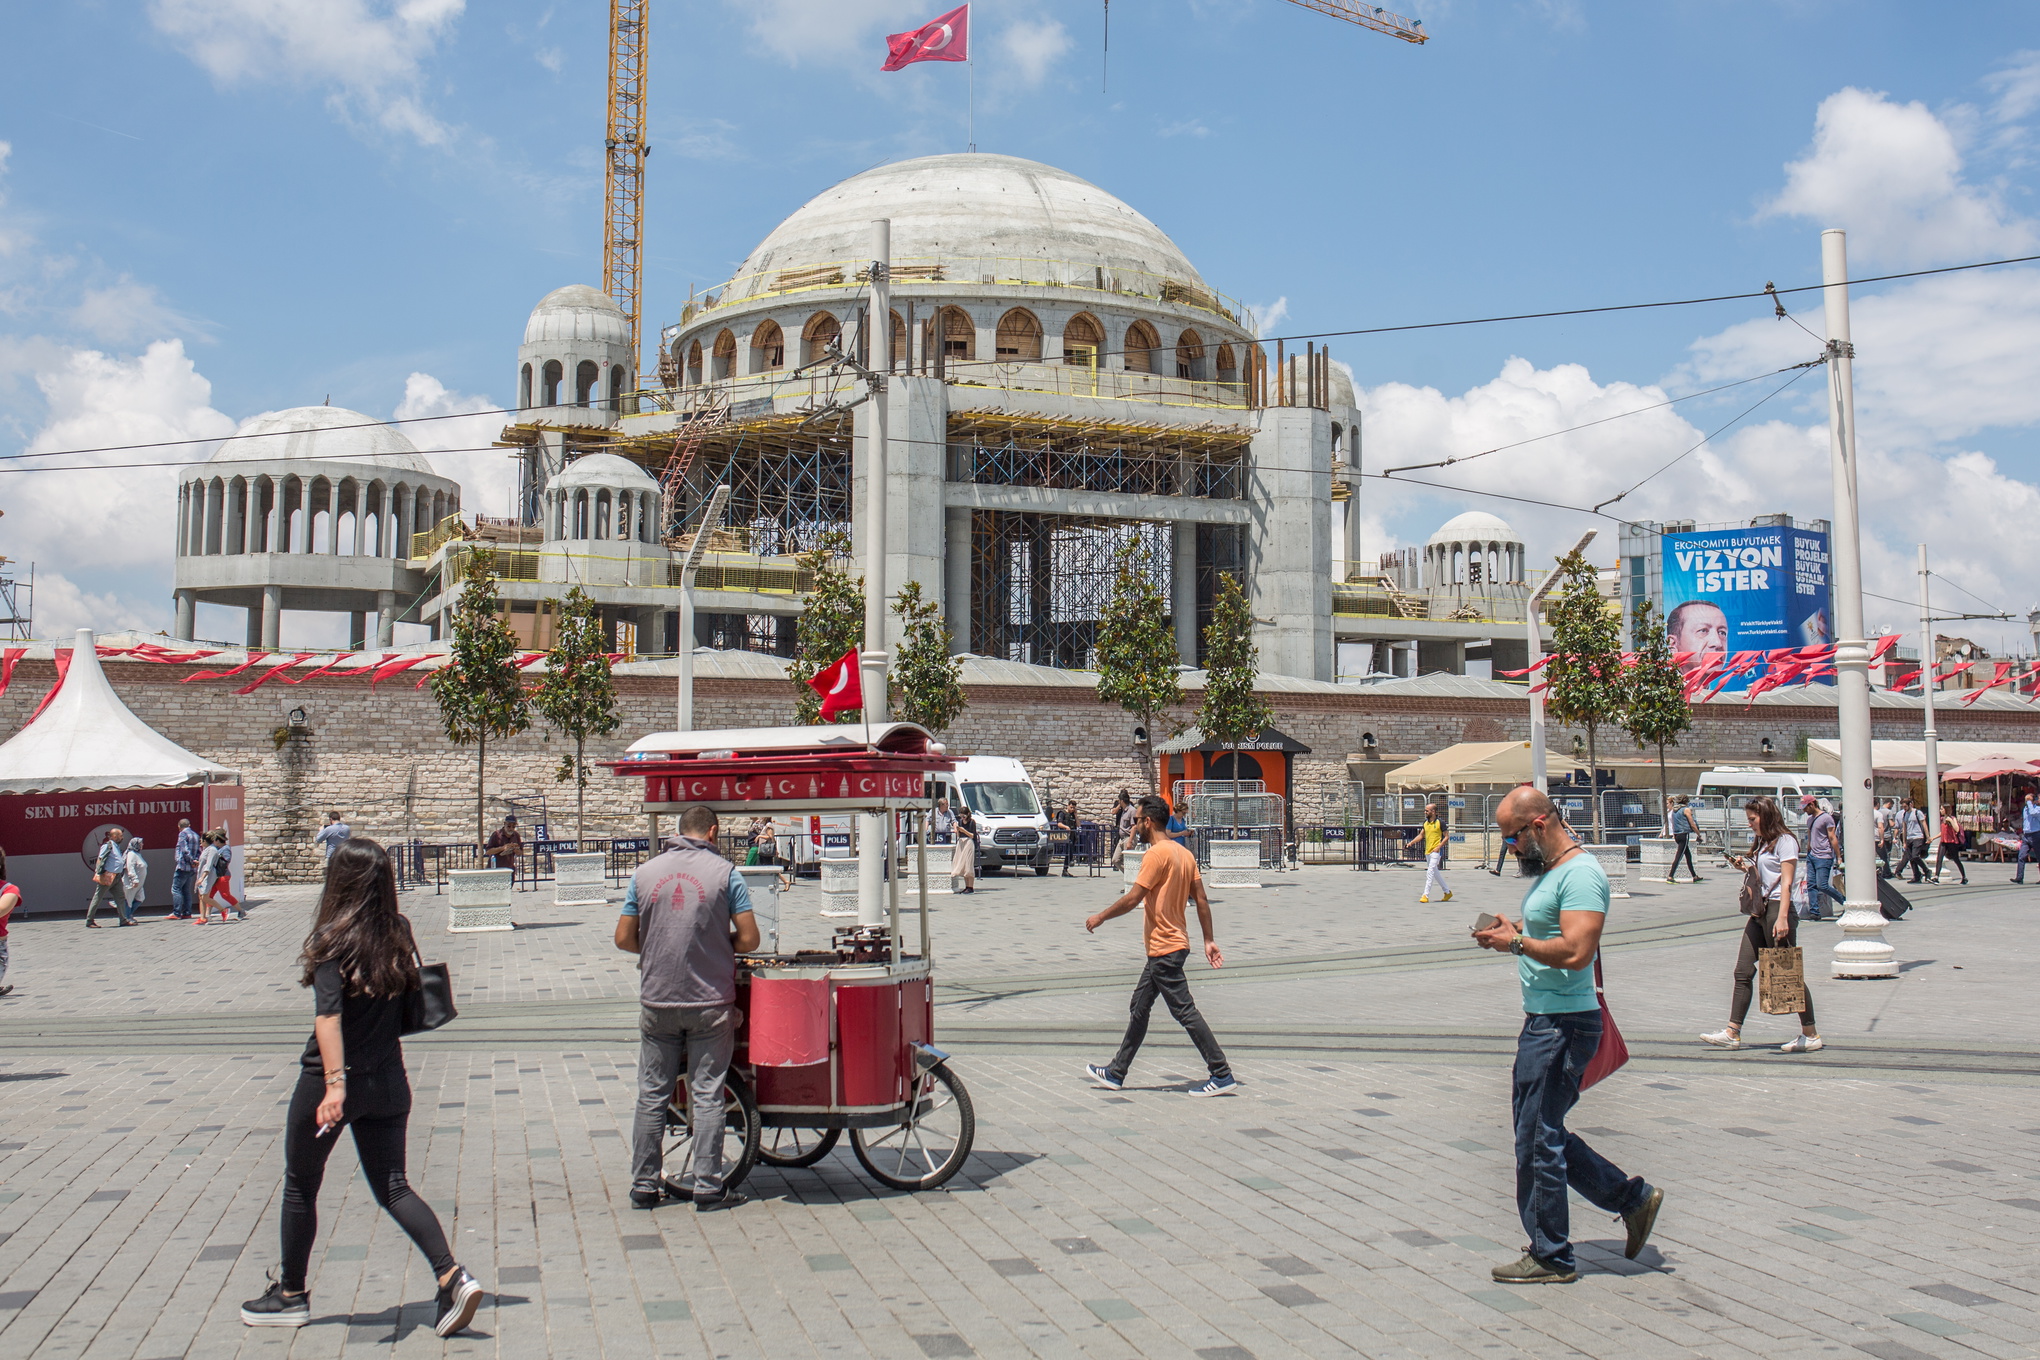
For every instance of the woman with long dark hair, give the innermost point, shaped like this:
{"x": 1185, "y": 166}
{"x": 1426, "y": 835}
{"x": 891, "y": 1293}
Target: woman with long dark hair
{"x": 360, "y": 960}
{"x": 1774, "y": 861}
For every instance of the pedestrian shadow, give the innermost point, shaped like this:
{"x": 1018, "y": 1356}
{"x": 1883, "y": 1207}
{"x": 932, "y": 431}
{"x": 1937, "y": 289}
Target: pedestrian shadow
{"x": 32, "y": 1076}
{"x": 1606, "y": 1258}
{"x": 837, "y": 1178}
{"x": 369, "y": 1328}
{"x": 1916, "y": 963}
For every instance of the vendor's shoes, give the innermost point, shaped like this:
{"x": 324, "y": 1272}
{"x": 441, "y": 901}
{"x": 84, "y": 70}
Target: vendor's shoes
{"x": 728, "y": 1199}
{"x": 1641, "y": 1220}
{"x": 1530, "y": 1270}
{"x": 1802, "y": 1043}
{"x": 1723, "y": 1038}
{"x": 458, "y": 1299}
{"x": 647, "y": 1199}
{"x": 276, "y": 1308}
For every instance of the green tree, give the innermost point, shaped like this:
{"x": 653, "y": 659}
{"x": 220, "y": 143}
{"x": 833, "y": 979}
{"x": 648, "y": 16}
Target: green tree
{"x": 1137, "y": 648}
{"x": 831, "y": 625}
{"x": 1585, "y": 676}
{"x": 480, "y": 693}
{"x": 927, "y": 682}
{"x": 1654, "y": 709}
{"x": 576, "y": 695}
{"x": 1231, "y": 712}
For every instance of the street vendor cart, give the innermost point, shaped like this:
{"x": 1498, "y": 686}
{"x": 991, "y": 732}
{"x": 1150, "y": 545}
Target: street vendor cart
{"x": 837, "y": 1038}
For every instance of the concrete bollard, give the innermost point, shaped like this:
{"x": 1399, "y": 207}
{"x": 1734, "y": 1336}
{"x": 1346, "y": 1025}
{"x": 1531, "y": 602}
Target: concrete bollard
{"x": 481, "y": 900}
{"x": 839, "y": 885}
{"x": 1655, "y": 860}
{"x": 580, "y": 880}
{"x": 1235, "y": 864}
{"x": 1130, "y": 864}
{"x": 1615, "y": 863}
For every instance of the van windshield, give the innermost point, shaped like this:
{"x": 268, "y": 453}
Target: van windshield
{"x": 1002, "y": 800}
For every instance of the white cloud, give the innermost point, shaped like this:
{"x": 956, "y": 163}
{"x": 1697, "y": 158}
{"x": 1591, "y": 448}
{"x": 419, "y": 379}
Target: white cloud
{"x": 1032, "y": 46}
{"x": 831, "y": 30}
{"x": 369, "y": 53}
{"x": 456, "y": 437}
{"x": 62, "y": 608}
{"x": 2017, "y": 87}
{"x": 1891, "y": 175}
{"x": 1188, "y": 127}
{"x": 125, "y": 311}
{"x": 1268, "y": 318}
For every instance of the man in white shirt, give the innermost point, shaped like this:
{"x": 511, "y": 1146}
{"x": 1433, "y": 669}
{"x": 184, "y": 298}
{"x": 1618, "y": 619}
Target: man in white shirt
{"x": 332, "y": 833}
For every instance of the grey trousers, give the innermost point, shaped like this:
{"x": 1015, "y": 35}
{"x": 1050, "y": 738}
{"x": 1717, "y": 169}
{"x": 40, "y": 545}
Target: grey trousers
{"x": 102, "y": 893}
{"x": 704, "y": 1037}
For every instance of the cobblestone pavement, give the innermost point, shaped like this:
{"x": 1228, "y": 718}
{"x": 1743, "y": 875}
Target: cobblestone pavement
{"x": 1878, "y": 1198}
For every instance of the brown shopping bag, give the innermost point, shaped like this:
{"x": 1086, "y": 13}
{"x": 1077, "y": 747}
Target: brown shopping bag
{"x": 1781, "y": 980}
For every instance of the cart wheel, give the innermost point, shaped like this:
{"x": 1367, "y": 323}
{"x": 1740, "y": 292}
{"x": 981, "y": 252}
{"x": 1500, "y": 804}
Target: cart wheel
{"x": 741, "y": 1129}
{"x": 797, "y": 1147}
{"x": 930, "y": 1147}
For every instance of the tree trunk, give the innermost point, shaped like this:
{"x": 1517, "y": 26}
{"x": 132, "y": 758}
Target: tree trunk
{"x": 1664, "y": 790}
{"x": 481, "y": 768}
{"x": 580, "y": 798}
{"x": 1236, "y": 790}
{"x": 1594, "y": 785}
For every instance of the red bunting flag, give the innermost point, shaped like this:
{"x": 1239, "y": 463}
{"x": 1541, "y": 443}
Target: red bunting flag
{"x": 943, "y": 39}
{"x": 259, "y": 681}
{"x": 839, "y": 685}
{"x": 62, "y": 657}
{"x": 7, "y": 665}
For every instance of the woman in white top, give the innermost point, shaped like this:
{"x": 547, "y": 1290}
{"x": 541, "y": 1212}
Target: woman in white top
{"x": 1776, "y": 858}
{"x": 208, "y": 875}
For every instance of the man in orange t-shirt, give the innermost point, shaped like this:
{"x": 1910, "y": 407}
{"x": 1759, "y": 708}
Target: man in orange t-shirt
{"x": 1168, "y": 880}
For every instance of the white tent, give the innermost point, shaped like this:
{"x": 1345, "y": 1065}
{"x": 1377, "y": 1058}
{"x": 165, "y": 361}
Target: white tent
{"x": 1473, "y": 763}
{"x": 1908, "y": 759}
{"x": 88, "y": 739}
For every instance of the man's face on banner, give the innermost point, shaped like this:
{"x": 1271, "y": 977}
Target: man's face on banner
{"x": 1698, "y": 626}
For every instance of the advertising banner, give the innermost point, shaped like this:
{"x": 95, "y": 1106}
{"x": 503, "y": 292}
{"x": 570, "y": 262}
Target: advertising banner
{"x": 51, "y": 839}
{"x": 1746, "y": 590}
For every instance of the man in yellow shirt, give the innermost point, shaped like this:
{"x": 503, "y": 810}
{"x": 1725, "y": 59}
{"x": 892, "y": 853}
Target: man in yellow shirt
{"x": 1168, "y": 879}
{"x": 1436, "y": 847}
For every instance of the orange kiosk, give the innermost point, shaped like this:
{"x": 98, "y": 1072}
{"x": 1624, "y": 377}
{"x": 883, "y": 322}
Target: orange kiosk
{"x": 836, "y": 1039}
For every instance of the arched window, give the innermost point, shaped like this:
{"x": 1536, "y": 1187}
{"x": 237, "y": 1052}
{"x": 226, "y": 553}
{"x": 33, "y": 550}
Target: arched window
{"x": 616, "y": 387}
{"x": 724, "y": 359}
{"x": 602, "y": 514}
{"x": 1190, "y": 356}
{"x": 1083, "y": 337}
{"x": 768, "y": 348}
{"x": 524, "y": 387}
{"x": 580, "y": 514}
{"x": 694, "y": 362}
{"x": 959, "y": 336}
{"x": 586, "y": 374}
{"x": 1141, "y": 344}
{"x": 1228, "y": 370}
{"x": 553, "y": 376}
{"x": 821, "y": 331}
{"x": 1019, "y": 336}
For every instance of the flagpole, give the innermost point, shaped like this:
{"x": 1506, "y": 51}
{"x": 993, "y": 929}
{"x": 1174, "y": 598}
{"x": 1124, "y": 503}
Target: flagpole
{"x": 971, "y": 62}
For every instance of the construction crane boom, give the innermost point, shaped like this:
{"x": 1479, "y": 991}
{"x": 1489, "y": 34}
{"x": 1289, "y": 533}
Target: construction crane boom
{"x": 624, "y": 184}
{"x": 1370, "y": 16}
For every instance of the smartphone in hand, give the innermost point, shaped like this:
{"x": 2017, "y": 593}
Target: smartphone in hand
{"x": 1486, "y": 921}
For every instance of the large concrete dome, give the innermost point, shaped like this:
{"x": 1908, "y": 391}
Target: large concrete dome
{"x": 604, "y": 469}
{"x": 577, "y": 312}
{"x": 325, "y": 434}
{"x": 962, "y": 206}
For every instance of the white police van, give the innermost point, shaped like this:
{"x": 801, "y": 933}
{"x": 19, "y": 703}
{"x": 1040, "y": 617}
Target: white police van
{"x": 1012, "y": 828}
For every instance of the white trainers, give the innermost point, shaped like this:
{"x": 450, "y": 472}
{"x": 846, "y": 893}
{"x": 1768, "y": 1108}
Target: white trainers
{"x": 1802, "y": 1043}
{"x": 1722, "y": 1038}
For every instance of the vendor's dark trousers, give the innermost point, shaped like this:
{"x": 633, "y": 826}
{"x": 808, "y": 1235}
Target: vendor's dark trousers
{"x": 1163, "y": 977}
{"x": 183, "y": 892}
{"x": 2029, "y": 848}
{"x": 1551, "y": 1055}
{"x": 1943, "y": 851}
{"x": 378, "y": 1110}
{"x": 1684, "y": 852}
{"x": 1819, "y": 879}
{"x": 1757, "y": 936}
{"x": 699, "y": 1040}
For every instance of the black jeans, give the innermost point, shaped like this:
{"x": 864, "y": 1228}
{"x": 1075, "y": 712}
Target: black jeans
{"x": 378, "y": 1109}
{"x": 1164, "y": 976}
{"x": 1684, "y": 852}
{"x": 1915, "y": 859}
{"x": 1757, "y": 936}
{"x": 1947, "y": 850}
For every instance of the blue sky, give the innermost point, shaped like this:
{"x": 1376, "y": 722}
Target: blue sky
{"x": 213, "y": 208}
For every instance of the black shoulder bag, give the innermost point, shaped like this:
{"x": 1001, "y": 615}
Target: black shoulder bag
{"x": 430, "y": 1004}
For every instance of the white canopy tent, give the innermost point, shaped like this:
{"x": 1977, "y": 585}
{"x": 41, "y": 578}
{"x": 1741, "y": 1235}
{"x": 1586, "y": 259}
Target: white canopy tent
{"x": 1474, "y": 764}
{"x": 1908, "y": 759}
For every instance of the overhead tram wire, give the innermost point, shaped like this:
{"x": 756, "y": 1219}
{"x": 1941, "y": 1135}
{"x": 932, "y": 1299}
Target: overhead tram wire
{"x": 1770, "y": 291}
{"x": 1804, "y": 369}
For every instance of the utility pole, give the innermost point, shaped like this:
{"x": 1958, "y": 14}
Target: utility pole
{"x": 1862, "y": 952}
{"x": 1537, "y": 758}
{"x": 1933, "y": 769}
{"x": 874, "y": 839}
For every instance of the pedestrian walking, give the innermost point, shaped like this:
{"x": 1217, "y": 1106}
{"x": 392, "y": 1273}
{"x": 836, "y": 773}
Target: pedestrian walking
{"x": 109, "y": 862}
{"x": 184, "y": 871}
{"x": 359, "y": 960}
{"x": 1769, "y": 869}
{"x": 208, "y": 878}
{"x": 1823, "y": 852}
{"x": 223, "y": 878}
{"x": 1122, "y": 827}
{"x": 1912, "y": 826}
{"x": 1436, "y": 846}
{"x": 1886, "y": 819}
{"x": 1168, "y": 879}
{"x": 134, "y": 874}
{"x": 963, "y": 858}
{"x": 1948, "y": 846}
{"x": 1683, "y": 831}
{"x": 2029, "y": 835}
{"x": 332, "y": 833}
{"x": 10, "y": 898}
{"x": 1070, "y": 824}
{"x": 686, "y": 915}
{"x": 1556, "y": 948}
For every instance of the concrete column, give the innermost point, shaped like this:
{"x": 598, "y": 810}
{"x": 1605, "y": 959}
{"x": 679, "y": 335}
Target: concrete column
{"x": 1289, "y": 495}
{"x": 186, "y": 612}
{"x": 1441, "y": 656}
{"x": 360, "y": 521}
{"x": 357, "y": 630}
{"x": 215, "y": 511}
{"x": 1183, "y": 588}
{"x": 272, "y": 616}
{"x": 956, "y": 585}
{"x": 254, "y": 630}
{"x": 1351, "y": 530}
{"x": 332, "y": 519}
{"x": 385, "y": 618}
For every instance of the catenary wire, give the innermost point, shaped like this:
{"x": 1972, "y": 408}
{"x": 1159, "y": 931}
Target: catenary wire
{"x": 1804, "y": 369}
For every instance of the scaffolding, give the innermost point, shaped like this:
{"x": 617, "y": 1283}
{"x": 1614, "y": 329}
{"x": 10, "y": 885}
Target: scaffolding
{"x": 994, "y": 448}
{"x": 17, "y": 603}
{"x": 1039, "y": 583}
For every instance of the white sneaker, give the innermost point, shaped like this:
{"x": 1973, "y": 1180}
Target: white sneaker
{"x": 1722, "y": 1038}
{"x": 1802, "y": 1043}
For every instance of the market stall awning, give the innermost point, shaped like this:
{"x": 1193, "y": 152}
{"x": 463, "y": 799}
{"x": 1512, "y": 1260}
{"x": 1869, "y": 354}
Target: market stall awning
{"x": 1903, "y": 759}
{"x": 1476, "y": 762}
{"x": 1990, "y": 767}
{"x": 86, "y": 738}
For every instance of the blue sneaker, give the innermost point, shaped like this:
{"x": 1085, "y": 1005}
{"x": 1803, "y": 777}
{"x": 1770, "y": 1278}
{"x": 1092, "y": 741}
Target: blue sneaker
{"x": 1217, "y": 1086}
{"x": 1102, "y": 1077}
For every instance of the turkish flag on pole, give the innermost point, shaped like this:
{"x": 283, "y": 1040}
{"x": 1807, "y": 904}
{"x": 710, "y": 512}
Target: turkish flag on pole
{"x": 943, "y": 39}
{"x": 839, "y": 685}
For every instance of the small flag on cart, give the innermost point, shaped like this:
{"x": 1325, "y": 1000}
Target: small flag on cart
{"x": 839, "y": 685}
{"x": 943, "y": 39}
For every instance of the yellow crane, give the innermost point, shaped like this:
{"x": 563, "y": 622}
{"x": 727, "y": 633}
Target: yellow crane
{"x": 1370, "y": 16}
{"x": 623, "y": 220}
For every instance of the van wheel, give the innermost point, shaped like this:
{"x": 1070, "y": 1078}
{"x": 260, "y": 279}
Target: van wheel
{"x": 1041, "y": 869}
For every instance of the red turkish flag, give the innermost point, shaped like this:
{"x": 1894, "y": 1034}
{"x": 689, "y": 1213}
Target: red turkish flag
{"x": 839, "y": 685}
{"x": 943, "y": 39}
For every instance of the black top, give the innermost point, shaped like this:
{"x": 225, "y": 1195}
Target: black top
{"x": 371, "y": 1027}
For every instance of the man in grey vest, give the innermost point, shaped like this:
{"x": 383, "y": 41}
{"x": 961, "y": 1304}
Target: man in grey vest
{"x": 686, "y": 915}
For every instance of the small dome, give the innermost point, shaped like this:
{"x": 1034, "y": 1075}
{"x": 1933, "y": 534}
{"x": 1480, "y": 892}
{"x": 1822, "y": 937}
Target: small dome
{"x": 1342, "y": 386}
{"x": 330, "y": 434}
{"x": 577, "y": 312}
{"x": 1475, "y": 526}
{"x": 604, "y": 470}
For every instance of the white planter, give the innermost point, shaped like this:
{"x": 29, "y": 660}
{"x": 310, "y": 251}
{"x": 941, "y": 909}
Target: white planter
{"x": 839, "y": 886}
{"x": 481, "y": 900}
{"x": 579, "y": 881}
{"x": 1130, "y": 864}
{"x": 1235, "y": 864}
{"x": 1615, "y": 863}
{"x": 1655, "y": 857}
{"x": 763, "y": 882}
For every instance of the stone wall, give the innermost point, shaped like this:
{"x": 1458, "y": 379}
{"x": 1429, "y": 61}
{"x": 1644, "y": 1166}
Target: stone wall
{"x": 381, "y": 759}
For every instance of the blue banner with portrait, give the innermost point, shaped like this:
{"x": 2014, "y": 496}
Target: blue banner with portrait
{"x": 1746, "y": 590}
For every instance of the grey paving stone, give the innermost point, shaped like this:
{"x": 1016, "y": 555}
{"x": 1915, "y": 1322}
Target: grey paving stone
{"x": 1013, "y": 1266}
{"x": 1931, "y": 1323}
{"x": 1112, "y": 1310}
{"x": 943, "y": 1345}
{"x": 1952, "y": 1293}
{"x": 1074, "y": 1246}
{"x": 1290, "y": 1295}
{"x": 1291, "y": 1266}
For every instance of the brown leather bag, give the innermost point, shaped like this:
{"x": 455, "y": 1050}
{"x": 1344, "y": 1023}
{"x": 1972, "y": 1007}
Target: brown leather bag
{"x": 1751, "y": 898}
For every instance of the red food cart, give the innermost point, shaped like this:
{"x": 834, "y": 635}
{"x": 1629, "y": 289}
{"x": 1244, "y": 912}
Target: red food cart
{"x": 831, "y": 1039}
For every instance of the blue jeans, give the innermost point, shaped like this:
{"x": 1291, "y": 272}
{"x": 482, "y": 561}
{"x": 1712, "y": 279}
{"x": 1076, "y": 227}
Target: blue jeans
{"x": 1818, "y": 872}
{"x": 1551, "y": 1054}
{"x": 183, "y": 892}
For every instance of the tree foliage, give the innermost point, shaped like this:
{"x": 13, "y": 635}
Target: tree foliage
{"x": 576, "y": 695}
{"x": 1136, "y": 647}
{"x": 831, "y": 625}
{"x": 1231, "y": 712}
{"x": 480, "y": 693}
{"x": 927, "y": 682}
{"x": 1584, "y": 675}
{"x": 1655, "y": 709}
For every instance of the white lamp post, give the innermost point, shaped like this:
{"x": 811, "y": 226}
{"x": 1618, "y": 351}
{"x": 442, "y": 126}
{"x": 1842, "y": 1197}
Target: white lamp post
{"x": 874, "y": 831}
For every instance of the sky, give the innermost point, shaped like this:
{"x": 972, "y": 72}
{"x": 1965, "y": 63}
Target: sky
{"x": 210, "y": 209}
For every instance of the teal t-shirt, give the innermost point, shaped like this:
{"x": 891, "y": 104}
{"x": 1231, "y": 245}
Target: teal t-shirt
{"x": 1577, "y": 885}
